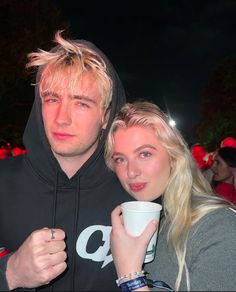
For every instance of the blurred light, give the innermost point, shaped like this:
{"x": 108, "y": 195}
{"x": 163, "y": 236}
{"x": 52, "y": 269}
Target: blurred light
{"x": 172, "y": 123}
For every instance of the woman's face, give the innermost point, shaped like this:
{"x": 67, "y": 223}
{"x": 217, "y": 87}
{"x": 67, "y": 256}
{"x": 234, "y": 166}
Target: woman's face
{"x": 222, "y": 172}
{"x": 141, "y": 163}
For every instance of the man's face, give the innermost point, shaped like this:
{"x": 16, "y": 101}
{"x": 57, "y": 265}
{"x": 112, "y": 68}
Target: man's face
{"x": 73, "y": 119}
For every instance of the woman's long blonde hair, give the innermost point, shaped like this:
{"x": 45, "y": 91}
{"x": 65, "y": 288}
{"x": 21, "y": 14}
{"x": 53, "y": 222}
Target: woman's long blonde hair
{"x": 188, "y": 195}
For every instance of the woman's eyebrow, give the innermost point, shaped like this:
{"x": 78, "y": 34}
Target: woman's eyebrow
{"x": 145, "y": 146}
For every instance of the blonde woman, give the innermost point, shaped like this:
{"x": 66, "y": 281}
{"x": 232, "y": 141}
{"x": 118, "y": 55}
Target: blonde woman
{"x": 196, "y": 243}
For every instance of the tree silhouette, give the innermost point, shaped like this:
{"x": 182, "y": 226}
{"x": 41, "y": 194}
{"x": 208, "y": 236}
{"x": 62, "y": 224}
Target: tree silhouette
{"x": 25, "y": 26}
{"x": 218, "y": 117}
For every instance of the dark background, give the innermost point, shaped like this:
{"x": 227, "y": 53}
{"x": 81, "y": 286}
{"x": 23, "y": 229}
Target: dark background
{"x": 171, "y": 52}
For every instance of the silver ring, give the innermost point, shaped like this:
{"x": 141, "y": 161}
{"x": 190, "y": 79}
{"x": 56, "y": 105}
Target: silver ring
{"x": 52, "y": 234}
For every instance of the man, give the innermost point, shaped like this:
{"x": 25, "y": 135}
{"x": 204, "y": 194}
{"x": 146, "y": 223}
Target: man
{"x": 56, "y": 200}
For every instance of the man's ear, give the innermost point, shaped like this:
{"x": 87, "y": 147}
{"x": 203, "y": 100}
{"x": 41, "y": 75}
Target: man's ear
{"x": 105, "y": 118}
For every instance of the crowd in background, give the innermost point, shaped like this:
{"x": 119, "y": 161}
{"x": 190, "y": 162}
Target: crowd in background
{"x": 7, "y": 150}
{"x": 219, "y": 167}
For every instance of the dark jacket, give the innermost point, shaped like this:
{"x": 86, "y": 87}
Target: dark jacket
{"x": 36, "y": 193}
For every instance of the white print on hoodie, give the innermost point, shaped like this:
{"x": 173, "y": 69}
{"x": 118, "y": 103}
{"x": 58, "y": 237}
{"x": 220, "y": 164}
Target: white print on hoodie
{"x": 101, "y": 254}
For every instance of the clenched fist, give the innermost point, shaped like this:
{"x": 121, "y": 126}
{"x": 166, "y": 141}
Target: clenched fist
{"x": 39, "y": 260}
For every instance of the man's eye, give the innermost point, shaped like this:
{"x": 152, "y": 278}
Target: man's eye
{"x": 82, "y": 105}
{"x": 50, "y": 99}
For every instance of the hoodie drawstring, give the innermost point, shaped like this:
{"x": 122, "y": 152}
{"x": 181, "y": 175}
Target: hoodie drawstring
{"x": 54, "y": 206}
{"x": 54, "y": 210}
{"x": 75, "y": 225}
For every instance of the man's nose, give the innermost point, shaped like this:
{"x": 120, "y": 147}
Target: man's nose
{"x": 63, "y": 114}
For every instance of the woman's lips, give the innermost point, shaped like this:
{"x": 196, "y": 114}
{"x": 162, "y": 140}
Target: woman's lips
{"x": 136, "y": 187}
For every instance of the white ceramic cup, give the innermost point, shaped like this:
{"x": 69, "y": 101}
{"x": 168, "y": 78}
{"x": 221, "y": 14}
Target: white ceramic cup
{"x": 136, "y": 216}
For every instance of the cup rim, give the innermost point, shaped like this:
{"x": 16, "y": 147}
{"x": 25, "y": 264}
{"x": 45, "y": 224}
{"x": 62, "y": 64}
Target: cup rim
{"x": 141, "y": 205}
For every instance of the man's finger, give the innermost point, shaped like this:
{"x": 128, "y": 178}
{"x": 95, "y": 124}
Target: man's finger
{"x": 52, "y": 234}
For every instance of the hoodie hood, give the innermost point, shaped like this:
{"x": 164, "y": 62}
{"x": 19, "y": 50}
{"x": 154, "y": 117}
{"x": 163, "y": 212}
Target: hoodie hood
{"x": 39, "y": 152}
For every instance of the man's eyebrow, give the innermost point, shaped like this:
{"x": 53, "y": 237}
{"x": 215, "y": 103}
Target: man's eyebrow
{"x": 48, "y": 92}
{"x": 84, "y": 98}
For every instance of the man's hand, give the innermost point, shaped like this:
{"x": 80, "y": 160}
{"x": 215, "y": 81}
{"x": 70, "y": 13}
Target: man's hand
{"x": 39, "y": 260}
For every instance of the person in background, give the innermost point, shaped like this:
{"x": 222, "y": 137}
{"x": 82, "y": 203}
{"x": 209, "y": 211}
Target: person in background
{"x": 5, "y": 149}
{"x": 203, "y": 159}
{"x": 196, "y": 248}
{"x": 228, "y": 142}
{"x": 224, "y": 170}
{"x": 18, "y": 150}
{"x": 56, "y": 199}
{"x": 4, "y": 153}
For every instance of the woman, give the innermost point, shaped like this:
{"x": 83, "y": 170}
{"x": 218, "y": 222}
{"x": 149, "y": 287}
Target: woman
{"x": 196, "y": 243}
{"x": 224, "y": 170}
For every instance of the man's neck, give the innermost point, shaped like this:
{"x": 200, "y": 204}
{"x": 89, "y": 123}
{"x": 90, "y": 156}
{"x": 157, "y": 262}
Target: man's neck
{"x": 70, "y": 165}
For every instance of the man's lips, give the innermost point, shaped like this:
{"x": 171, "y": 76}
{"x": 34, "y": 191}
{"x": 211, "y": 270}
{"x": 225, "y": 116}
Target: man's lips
{"x": 62, "y": 136}
{"x": 136, "y": 187}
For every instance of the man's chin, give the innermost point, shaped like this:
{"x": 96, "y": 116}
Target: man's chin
{"x": 63, "y": 153}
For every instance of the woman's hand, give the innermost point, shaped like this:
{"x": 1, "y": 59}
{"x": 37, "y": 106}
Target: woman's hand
{"x": 128, "y": 251}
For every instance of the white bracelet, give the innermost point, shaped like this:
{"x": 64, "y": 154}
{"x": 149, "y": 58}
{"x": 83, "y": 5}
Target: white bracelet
{"x": 129, "y": 277}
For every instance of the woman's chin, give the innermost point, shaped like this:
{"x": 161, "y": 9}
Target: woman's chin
{"x": 142, "y": 197}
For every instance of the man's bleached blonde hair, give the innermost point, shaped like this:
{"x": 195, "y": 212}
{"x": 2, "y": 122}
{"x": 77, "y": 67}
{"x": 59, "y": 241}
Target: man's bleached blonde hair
{"x": 68, "y": 60}
{"x": 188, "y": 195}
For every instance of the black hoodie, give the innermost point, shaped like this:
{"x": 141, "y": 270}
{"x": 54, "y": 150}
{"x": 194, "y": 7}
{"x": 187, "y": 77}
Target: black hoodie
{"x": 36, "y": 193}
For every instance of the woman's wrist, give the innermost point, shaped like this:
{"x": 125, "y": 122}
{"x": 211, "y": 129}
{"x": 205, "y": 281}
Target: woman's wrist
{"x": 132, "y": 281}
{"x": 130, "y": 276}
{"x": 127, "y": 269}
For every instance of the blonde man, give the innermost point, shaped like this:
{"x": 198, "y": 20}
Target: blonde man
{"x": 56, "y": 200}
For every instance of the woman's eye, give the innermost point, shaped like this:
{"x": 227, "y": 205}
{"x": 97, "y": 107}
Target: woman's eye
{"x": 145, "y": 154}
{"x": 118, "y": 160}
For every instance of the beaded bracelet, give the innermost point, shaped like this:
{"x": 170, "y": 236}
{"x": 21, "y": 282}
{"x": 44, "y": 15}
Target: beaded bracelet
{"x": 133, "y": 284}
{"x": 130, "y": 276}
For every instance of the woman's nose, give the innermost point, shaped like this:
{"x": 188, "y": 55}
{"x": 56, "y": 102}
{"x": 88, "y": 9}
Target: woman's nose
{"x": 133, "y": 170}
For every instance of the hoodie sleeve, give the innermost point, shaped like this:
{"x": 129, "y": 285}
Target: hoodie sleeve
{"x": 3, "y": 280}
{"x": 3, "y": 266}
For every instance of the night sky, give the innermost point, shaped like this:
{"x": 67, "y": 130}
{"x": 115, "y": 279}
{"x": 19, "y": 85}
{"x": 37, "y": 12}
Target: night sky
{"x": 163, "y": 50}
